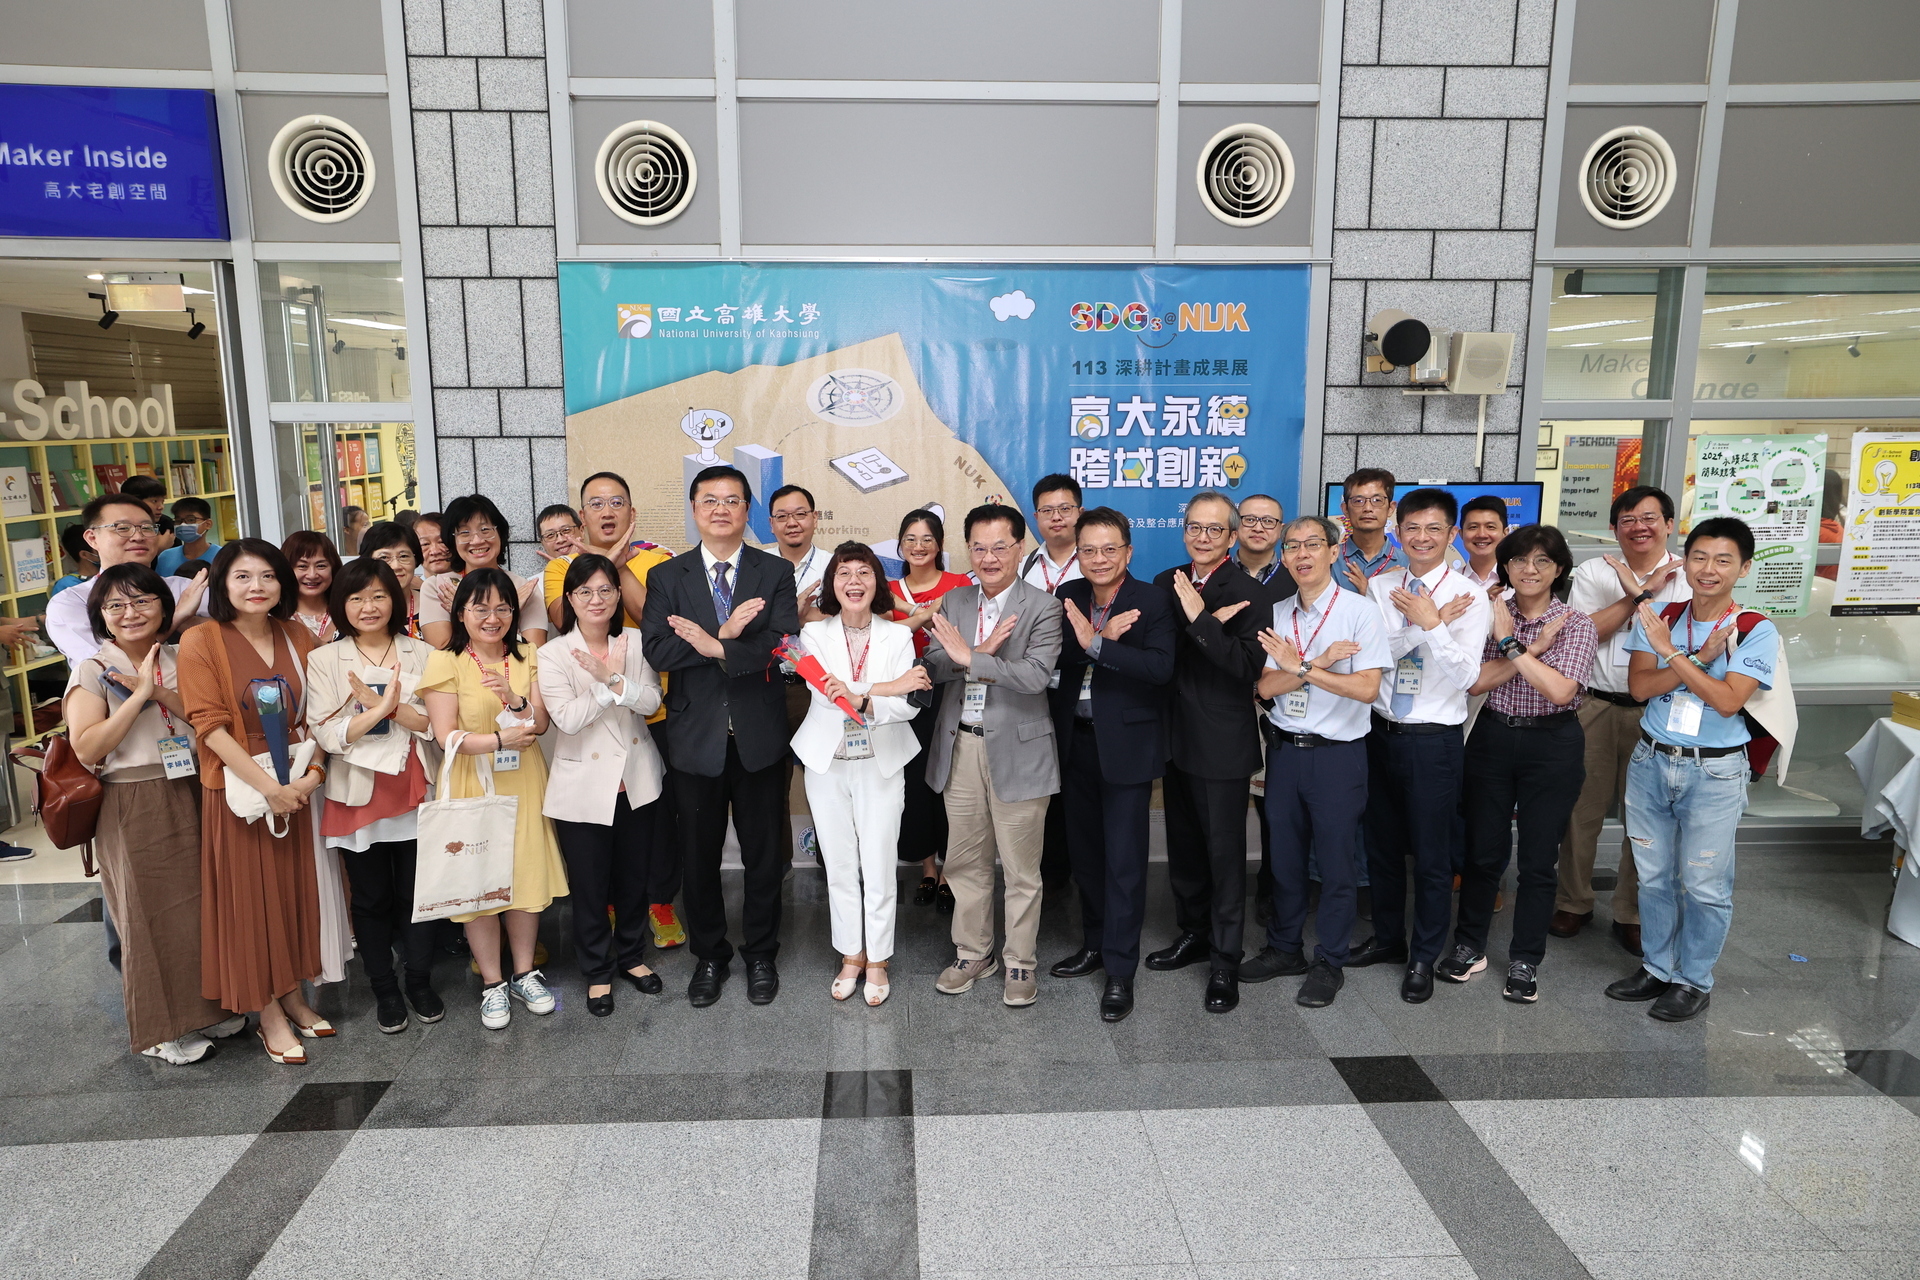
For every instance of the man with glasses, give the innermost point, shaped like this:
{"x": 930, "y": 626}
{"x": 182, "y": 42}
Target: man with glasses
{"x": 1215, "y": 744}
{"x": 1366, "y": 500}
{"x": 791, "y": 512}
{"x": 1609, "y": 589}
{"x": 992, "y": 756}
{"x": 119, "y": 529}
{"x": 1056, "y": 510}
{"x": 1261, "y": 520}
{"x": 1325, "y": 650}
{"x": 712, "y": 620}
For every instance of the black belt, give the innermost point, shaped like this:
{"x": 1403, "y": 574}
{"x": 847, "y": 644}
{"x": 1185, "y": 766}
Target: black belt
{"x": 1534, "y": 722}
{"x": 1699, "y": 753}
{"x": 977, "y": 730}
{"x": 1617, "y": 699}
{"x": 1279, "y": 736}
{"x": 1395, "y": 726}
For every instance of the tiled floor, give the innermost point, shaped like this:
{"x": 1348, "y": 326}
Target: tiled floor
{"x": 956, "y": 1138}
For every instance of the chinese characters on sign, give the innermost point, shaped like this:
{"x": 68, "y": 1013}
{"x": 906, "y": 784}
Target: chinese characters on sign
{"x": 1775, "y": 484}
{"x": 1880, "y": 557}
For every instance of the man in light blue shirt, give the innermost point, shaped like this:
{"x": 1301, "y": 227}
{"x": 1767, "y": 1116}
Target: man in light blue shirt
{"x": 1366, "y": 500}
{"x": 1695, "y": 666}
{"x": 1325, "y": 651}
{"x": 193, "y": 521}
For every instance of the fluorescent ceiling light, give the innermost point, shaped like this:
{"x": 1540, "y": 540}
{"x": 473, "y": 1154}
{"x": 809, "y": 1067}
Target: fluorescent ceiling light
{"x": 1585, "y": 344}
{"x": 1739, "y": 344}
{"x": 366, "y": 324}
{"x": 1645, "y": 337}
{"x": 1903, "y": 311}
{"x": 1741, "y": 306}
{"x": 1596, "y": 324}
{"x": 1830, "y": 337}
{"x": 187, "y": 288}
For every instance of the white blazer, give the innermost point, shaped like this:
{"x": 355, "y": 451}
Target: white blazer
{"x": 331, "y": 704}
{"x": 890, "y": 653}
{"x": 601, "y": 740}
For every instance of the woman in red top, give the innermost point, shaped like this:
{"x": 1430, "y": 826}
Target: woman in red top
{"x": 916, "y": 598}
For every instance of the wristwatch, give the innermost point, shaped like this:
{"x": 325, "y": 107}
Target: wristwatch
{"x": 521, "y": 709}
{"x": 1510, "y": 646}
{"x": 1643, "y": 597}
{"x": 1304, "y": 669}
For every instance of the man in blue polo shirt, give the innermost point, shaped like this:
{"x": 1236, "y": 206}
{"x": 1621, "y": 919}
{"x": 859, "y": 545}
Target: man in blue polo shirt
{"x": 1687, "y": 780}
{"x": 1366, "y": 500}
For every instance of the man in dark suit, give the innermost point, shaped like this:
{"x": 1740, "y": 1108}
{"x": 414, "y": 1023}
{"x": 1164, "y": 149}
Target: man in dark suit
{"x": 713, "y": 619}
{"x": 1109, "y": 713}
{"x": 1216, "y": 746}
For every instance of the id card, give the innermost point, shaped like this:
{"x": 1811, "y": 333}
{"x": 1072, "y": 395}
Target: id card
{"x": 1406, "y": 674}
{"x": 176, "y": 756}
{"x": 1086, "y": 684}
{"x": 856, "y": 741}
{"x": 505, "y": 760}
{"x": 1294, "y": 705}
{"x": 1683, "y": 717}
{"x": 975, "y": 700}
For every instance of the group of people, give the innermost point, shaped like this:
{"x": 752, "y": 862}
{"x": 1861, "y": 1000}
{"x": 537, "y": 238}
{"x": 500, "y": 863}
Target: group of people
{"x": 269, "y": 730}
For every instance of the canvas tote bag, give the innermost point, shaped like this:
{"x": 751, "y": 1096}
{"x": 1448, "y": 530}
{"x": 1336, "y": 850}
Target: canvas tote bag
{"x": 464, "y": 862}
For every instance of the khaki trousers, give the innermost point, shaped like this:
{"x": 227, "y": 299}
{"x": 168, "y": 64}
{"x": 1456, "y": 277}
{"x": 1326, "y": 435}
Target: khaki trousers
{"x": 1612, "y": 732}
{"x": 979, "y": 826}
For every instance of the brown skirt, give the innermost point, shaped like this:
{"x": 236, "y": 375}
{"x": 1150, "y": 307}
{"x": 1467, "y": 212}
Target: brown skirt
{"x": 259, "y": 907}
{"x": 148, "y": 844}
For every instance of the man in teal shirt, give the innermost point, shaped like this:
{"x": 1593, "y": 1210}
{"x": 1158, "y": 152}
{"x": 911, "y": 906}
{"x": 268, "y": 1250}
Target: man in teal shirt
{"x": 193, "y": 521}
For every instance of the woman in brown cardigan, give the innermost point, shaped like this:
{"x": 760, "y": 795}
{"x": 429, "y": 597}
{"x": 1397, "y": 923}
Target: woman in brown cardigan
{"x": 260, "y": 907}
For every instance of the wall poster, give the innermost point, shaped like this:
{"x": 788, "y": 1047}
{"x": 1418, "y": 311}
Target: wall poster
{"x": 1775, "y": 484}
{"x": 1880, "y": 557}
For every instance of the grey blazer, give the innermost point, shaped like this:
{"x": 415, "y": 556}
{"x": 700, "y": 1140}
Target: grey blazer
{"x": 1020, "y": 749}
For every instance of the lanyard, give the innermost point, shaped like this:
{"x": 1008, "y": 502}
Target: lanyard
{"x": 1407, "y": 581}
{"x": 1350, "y": 550}
{"x": 1299, "y": 648}
{"x": 506, "y": 670}
{"x": 1732, "y": 612}
{"x": 806, "y": 563}
{"x": 858, "y": 665}
{"x": 980, "y": 627}
{"x": 1100, "y": 612}
{"x": 1273, "y": 567}
{"x": 1200, "y": 583}
{"x": 1065, "y": 569}
{"x": 160, "y": 682}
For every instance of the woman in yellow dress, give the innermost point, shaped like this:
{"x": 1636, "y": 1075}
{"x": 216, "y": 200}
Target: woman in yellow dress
{"x": 485, "y": 682}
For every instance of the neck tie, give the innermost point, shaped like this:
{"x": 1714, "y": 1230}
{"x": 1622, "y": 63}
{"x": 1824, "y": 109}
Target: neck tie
{"x": 722, "y": 593}
{"x": 1414, "y": 662}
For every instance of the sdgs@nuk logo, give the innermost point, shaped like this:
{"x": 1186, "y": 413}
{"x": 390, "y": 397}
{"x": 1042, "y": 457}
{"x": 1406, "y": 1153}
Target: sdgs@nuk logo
{"x": 1137, "y": 317}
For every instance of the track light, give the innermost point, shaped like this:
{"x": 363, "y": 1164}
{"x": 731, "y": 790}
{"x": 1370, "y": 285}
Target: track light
{"x": 1853, "y": 349}
{"x": 107, "y": 317}
{"x": 339, "y": 343}
{"x": 1750, "y": 356}
{"x": 399, "y": 351}
{"x": 197, "y": 328}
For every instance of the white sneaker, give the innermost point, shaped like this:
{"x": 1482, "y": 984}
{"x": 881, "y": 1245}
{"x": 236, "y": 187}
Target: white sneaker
{"x": 228, "y": 1027}
{"x": 495, "y": 1010}
{"x": 189, "y": 1048}
{"x": 530, "y": 989}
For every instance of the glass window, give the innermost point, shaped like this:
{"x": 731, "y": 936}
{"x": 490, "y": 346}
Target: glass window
{"x": 372, "y": 467}
{"x": 1810, "y": 331}
{"x": 1610, "y": 331}
{"x": 1592, "y": 463}
{"x": 336, "y": 332}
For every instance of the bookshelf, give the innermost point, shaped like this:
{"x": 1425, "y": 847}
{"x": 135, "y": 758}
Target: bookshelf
{"x": 372, "y": 462}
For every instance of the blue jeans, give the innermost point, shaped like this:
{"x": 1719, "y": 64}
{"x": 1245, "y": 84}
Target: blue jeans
{"x": 1682, "y": 814}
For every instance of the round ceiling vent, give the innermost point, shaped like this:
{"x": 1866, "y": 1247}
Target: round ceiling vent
{"x": 645, "y": 172}
{"x": 1245, "y": 174}
{"x": 322, "y": 168}
{"x": 1627, "y": 177}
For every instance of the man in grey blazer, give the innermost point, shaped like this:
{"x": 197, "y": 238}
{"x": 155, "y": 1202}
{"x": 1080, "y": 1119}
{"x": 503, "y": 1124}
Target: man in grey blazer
{"x": 993, "y": 754}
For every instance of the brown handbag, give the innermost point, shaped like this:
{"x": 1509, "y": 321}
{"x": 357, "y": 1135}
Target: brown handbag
{"x": 67, "y": 795}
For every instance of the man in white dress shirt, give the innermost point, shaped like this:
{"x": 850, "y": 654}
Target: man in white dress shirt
{"x": 1056, "y": 560}
{"x": 791, "y": 512}
{"x": 119, "y": 529}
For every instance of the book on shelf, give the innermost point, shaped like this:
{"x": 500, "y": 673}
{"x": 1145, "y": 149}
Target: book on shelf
{"x": 210, "y": 475}
{"x": 373, "y": 455}
{"x": 182, "y": 479}
{"x": 376, "y": 497}
{"x": 29, "y": 556}
{"x": 339, "y": 457}
{"x": 356, "y": 457}
{"x": 144, "y": 469}
{"x": 36, "y": 494}
{"x": 16, "y": 498}
{"x": 77, "y": 487}
{"x": 62, "y": 497}
{"x": 111, "y": 476}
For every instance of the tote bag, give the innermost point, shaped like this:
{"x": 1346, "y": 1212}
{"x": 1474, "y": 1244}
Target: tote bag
{"x": 465, "y": 858}
{"x": 247, "y": 802}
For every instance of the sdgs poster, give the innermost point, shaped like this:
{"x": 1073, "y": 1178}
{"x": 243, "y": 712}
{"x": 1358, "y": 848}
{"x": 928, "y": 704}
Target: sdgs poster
{"x": 883, "y": 388}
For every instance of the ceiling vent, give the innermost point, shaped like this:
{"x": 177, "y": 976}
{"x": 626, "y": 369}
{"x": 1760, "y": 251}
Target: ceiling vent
{"x": 645, "y": 172}
{"x": 322, "y": 168}
{"x": 1245, "y": 174}
{"x": 1627, "y": 177}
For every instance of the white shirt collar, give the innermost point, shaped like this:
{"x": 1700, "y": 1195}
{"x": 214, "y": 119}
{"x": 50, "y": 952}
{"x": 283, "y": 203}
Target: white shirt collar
{"x": 709, "y": 559}
{"x": 1328, "y": 595}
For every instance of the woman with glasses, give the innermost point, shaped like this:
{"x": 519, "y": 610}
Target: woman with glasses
{"x": 364, "y": 708}
{"x": 128, "y": 724}
{"x": 435, "y": 557}
{"x": 916, "y": 598}
{"x": 606, "y": 777}
{"x": 485, "y": 683}
{"x": 242, "y": 683}
{"x": 478, "y": 535}
{"x": 314, "y": 562}
{"x": 394, "y": 545}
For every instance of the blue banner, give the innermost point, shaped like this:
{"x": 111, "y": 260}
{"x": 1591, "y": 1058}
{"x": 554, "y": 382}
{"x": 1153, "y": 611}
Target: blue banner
{"x": 110, "y": 163}
{"x": 884, "y": 387}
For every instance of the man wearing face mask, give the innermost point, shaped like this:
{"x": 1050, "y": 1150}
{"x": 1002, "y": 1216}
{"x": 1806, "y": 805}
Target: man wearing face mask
{"x": 192, "y": 537}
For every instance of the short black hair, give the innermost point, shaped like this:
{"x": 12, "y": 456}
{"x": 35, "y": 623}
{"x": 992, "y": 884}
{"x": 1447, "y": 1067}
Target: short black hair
{"x": 1429, "y": 499}
{"x": 551, "y": 510}
{"x": 73, "y": 541}
{"x": 389, "y": 533}
{"x": 304, "y": 544}
{"x": 990, "y": 511}
{"x": 129, "y": 578}
{"x": 1730, "y": 527}
{"x": 1485, "y": 502}
{"x": 786, "y": 489}
{"x": 142, "y": 488}
{"x": 463, "y": 509}
{"x": 90, "y": 514}
{"x": 935, "y": 525}
{"x": 1107, "y": 518}
{"x": 614, "y": 476}
{"x": 194, "y": 568}
{"x": 195, "y": 506}
{"x": 220, "y": 600}
{"x": 1366, "y": 476}
{"x": 357, "y": 576}
{"x": 1055, "y": 483}
{"x": 857, "y": 552}
{"x": 482, "y": 582}
{"x": 710, "y": 475}
{"x": 1526, "y": 540}
{"x": 582, "y": 568}
{"x": 1634, "y": 497}
{"x": 1323, "y": 525}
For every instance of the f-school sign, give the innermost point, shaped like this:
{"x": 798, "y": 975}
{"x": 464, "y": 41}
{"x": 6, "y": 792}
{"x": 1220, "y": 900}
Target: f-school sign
{"x": 80, "y": 416}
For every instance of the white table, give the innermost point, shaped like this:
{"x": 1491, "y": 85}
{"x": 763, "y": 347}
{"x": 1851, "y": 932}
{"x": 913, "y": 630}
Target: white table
{"x": 1887, "y": 760}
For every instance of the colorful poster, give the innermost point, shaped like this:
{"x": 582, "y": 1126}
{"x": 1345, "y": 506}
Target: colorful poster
{"x": 1775, "y": 484}
{"x": 1880, "y": 558}
{"x": 29, "y": 557}
{"x": 1626, "y": 465}
{"x": 16, "y": 492}
{"x": 1586, "y": 480}
{"x": 886, "y": 387}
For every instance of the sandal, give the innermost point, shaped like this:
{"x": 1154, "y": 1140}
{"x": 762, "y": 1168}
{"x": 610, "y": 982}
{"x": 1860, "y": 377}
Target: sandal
{"x": 923, "y": 896}
{"x": 294, "y": 1057}
{"x": 877, "y": 991}
{"x": 943, "y": 898}
{"x": 843, "y": 986}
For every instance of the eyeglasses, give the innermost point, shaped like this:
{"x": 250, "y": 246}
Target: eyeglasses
{"x": 713, "y": 502}
{"x": 394, "y": 557}
{"x": 605, "y": 504}
{"x": 114, "y": 608}
{"x": 1057, "y": 509}
{"x": 1259, "y": 522}
{"x": 478, "y": 533}
{"x": 594, "y": 595}
{"x": 122, "y": 529}
{"x": 919, "y": 540}
{"x": 482, "y": 612}
{"x": 995, "y": 552}
{"x": 559, "y": 535}
{"x": 791, "y": 514}
{"x": 1538, "y": 563}
{"x": 1311, "y": 544}
{"x": 1098, "y": 554}
{"x": 1206, "y": 530}
{"x": 1639, "y": 522}
{"x": 1374, "y": 500}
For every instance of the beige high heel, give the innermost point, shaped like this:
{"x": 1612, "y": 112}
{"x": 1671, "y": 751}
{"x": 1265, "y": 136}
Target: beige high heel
{"x": 877, "y": 992}
{"x": 843, "y": 987}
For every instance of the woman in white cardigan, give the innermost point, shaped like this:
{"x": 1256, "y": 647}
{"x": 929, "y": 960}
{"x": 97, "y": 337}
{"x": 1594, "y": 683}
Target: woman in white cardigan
{"x": 605, "y": 778}
{"x": 363, "y": 706}
{"x": 856, "y": 785}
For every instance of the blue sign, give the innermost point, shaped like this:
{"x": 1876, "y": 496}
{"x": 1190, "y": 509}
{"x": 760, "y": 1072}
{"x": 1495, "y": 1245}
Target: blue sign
{"x": 883, "y": 388}
{"x": 110, "y": 163}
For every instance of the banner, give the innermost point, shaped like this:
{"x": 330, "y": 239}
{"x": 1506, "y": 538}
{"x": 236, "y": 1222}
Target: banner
{"x": 1775, "y": 484}
{"x": 1880, "y": 560}
{"x": 886, "y": 387}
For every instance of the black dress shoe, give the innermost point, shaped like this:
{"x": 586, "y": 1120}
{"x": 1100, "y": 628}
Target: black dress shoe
{"x": 1116, "y": 1002}
{"x": 600, "y": 1006}
{"x": 1641, "y": 986}
{"x": 923, "y": 896}
{"x": 1223, "y": 991}
{"x": 704, "y": 987}
{"x": 1322, "y": 985}
{"x": 763, "y": 981}
{"x": 1679, "y": 1003}
{"x": 1079, "y": 964}
{"x": 1374, "y": 951}
{"x": 1188, "y": 948}
{"x": 646, "y": 984}
{"x": 1272, "y": 962}
{"x": 943, "y": 899}
{"x": 1417, "y": 986}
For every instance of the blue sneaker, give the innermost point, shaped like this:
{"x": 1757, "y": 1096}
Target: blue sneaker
{"x": 530, "y": 989}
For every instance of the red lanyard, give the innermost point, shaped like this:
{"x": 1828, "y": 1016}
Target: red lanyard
{"x": 859, "y": 665}
{"x": 1732, "y": 611}
{"x": 160, "y": 682}
{"x": 1200, "y": 583}
{"x": 1065, "y": 569}
{"x": 1100, "y": 612}
{"x": 1299, "y": 648}
{"x": 1407, "y": 580}
{"x": 980, "y": 628}
{"x": 506, "y": 670}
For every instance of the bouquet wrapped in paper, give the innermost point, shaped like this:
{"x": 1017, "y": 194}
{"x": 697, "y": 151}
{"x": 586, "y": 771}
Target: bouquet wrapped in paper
{"x": 810, "y": 669}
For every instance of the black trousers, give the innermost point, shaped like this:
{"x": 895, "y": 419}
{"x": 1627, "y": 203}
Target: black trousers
{"x": 1207, "y": 859}
{"x": 1413, "y": 801}
{"x": 758, "y": 800}
{"x": 382, "y": 907}
{"x": 1107, "y": 843}
{"x": 923, "y": 822}
{"x": 1315, "y": 796}
{"x": 663, "y": 876}
{"x": 609, "y": 866}
{"x": 1539, "y": 772}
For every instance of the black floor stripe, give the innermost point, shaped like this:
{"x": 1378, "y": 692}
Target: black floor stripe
{"x": 866, "y": 1206}
{"x": 867, "y": 1095}
{"x": 1894, "y": 1072}
{"x": 1396, "y": 1078}
{"x": 319, "y": 1107}
{"x": 93, "y": 909}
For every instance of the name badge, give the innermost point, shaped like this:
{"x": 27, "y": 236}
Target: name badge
{"x": 176, "y": 756}
{"x": 1053, "y": 678}
{"x": 857, "y": 741}
{"x": 975, "y": 702}
{"x": 1086, "y": 684}
{"x": 1406, "y": 675}
{"x": 1294, "y": 705}
{"x": 1683, "y": 717}
{"x": 506, "y": 760}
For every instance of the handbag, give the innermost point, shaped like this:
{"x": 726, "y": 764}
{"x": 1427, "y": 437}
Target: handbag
{"x": 67, "y": 795}
{"x": 247, "y": 802}
{"x": 464, "y": 851}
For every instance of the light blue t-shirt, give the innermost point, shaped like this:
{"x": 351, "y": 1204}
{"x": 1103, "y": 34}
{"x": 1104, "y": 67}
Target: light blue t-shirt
{"x": 168, "y": 565}
{"x": 70, "y": 580}
{"x": 1755, "y": 656}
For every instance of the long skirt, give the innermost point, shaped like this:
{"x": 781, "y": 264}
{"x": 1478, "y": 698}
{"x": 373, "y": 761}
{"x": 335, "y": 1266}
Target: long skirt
{"x": 259, "y": 908}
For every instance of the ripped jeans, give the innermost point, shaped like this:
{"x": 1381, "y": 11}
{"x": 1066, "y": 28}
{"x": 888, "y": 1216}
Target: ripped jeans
{"x": 1682, "y": 814}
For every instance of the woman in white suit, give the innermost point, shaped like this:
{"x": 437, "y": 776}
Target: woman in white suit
{"x": 856, "y": 785}
{"x": 606, "y": 775}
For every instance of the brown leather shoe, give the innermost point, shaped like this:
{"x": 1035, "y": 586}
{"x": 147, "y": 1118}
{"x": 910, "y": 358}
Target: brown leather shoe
{"x": 1628, "y": 936}
{"x": 1565, "y": 924}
